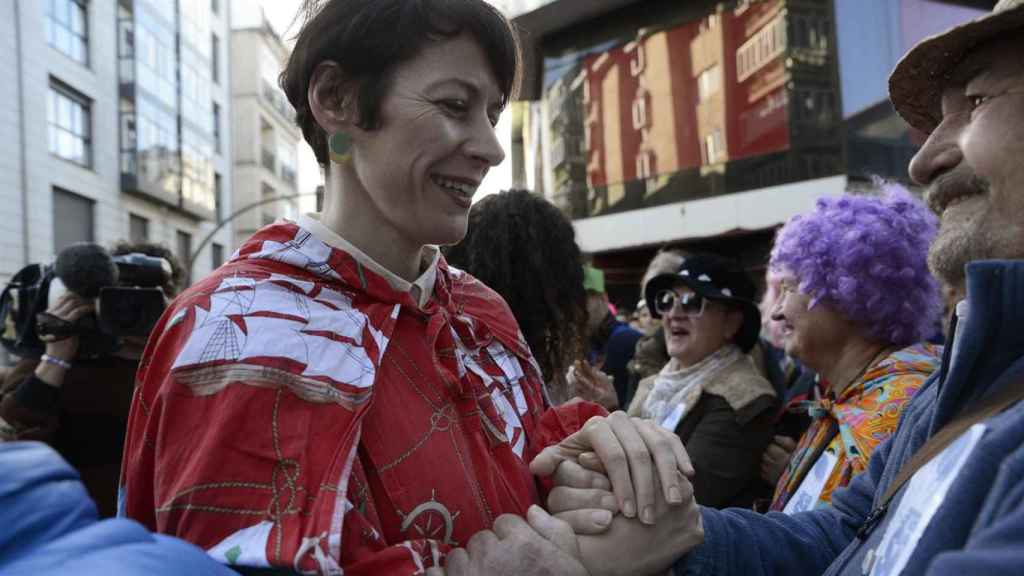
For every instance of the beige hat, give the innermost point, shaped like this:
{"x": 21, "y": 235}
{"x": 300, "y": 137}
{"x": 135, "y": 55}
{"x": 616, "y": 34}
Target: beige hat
{"x": 915, "y": 86}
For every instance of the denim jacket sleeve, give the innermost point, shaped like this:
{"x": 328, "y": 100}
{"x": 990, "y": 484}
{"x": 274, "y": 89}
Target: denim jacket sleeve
{"x": 744, "y": 543}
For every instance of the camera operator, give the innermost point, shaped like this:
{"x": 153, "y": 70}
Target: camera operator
{"x": 77, "y": 405}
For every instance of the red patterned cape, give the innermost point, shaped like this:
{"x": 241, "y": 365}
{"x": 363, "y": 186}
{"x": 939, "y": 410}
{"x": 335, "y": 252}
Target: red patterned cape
{"x": 294, "y": 410}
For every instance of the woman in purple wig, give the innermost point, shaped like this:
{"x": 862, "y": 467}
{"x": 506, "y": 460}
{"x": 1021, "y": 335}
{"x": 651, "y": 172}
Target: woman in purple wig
{"x": 857, "y": 303}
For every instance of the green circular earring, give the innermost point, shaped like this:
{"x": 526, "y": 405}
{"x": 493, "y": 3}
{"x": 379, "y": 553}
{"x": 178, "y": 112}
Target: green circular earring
{"x": 340, "y": 146}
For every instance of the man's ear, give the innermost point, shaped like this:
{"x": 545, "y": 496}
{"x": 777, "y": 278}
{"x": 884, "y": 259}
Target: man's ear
{"x": 331, "y": 98}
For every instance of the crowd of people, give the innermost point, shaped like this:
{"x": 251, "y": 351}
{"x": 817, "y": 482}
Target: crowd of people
{"x": 410, "y": 383}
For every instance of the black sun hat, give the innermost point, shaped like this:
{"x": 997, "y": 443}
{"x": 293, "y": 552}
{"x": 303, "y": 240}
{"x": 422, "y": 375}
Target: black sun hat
{"x": 718, "y": 279}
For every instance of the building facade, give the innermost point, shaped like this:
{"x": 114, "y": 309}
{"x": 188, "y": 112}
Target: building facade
{"x": 266, "y": 137}
{"x": 705, "y": 125}
{"x": 116, "y": 120}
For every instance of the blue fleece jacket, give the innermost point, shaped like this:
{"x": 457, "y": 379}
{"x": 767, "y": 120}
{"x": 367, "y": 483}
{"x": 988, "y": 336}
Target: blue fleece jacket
{"x": 979, "y": 526}
{"x": 48, "y": 525}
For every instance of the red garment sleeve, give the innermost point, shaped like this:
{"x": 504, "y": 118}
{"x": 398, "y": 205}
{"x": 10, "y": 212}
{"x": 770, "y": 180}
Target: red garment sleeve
{"x": 556, "y": 424}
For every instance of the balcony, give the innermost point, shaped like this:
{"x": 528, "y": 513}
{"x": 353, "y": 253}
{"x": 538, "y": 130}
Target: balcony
{"x": 268, "y": 160}
{"x": 277, "y": 100}
{"x": 288, "y": 175}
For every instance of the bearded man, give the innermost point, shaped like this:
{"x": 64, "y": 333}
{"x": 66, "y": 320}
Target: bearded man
{"x": 943, "y": 496}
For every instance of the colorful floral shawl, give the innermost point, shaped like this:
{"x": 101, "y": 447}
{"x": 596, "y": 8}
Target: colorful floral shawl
{"x": 852, "y": 425}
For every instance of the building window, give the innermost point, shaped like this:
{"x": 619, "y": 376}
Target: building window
{"x": 72, "y": 219}
{"x": 216, "y": 128}
{"x": 138, "y": 229}
{"x": 810, "y": 32}
{"x": 713, "y": 147}
{"x": 215, "y": 6}
{"x": 268, "y": 140}
{"x": 286, "y": 154}
{"x": 67, "y": 28}
{"x": 70, "y": 124}
{"x": 640, "y": 112}
{"x": 215, "y": 58}
{"x": 815, "y": 106}
{"x": 708, "y": 83}
{"x": 764, "y": 46}
{"x": 637, "y": 62}
{"x": 216, "y": 255}
{"x": 268, "y": 213}
{"x": 645, "y": 164}
{"x": 218, "y": 192}
{"x": 184, "y": 243}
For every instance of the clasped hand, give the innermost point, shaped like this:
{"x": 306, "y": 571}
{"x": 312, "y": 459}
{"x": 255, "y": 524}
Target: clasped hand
{"x": 621, "y": 503}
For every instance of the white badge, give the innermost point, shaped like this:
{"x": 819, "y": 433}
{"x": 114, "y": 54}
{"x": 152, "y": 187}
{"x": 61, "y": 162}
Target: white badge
{"x": 807, "y": 495}
{"x": 921, "y": 499}
{"x": 671, "y": 421}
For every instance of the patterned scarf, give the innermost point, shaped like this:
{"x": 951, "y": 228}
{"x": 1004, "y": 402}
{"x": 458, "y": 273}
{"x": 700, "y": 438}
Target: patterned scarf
{"x": 682, "y": 386}
{"x": 853, "y": 423}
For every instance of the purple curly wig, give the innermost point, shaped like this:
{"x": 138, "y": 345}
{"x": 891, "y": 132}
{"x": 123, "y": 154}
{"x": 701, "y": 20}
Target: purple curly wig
{"x": 866, "y": 256}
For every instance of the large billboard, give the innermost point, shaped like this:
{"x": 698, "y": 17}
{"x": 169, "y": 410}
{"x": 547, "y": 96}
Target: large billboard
{"x": 663, "y": 113}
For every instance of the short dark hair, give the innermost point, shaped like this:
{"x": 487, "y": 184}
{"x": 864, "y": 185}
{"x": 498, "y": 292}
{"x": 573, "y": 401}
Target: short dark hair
{"x": 370, "y": 38}
{"x": 524, "y": 248}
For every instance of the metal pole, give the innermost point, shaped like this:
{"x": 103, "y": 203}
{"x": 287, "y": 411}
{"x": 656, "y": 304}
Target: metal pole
{"x": 26, "y": 254}
{"x": 209, "y": 237}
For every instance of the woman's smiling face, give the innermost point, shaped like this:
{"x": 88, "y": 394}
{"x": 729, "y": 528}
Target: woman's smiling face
{"x": 435, "y": 143}
{"x": 810, "y": 333}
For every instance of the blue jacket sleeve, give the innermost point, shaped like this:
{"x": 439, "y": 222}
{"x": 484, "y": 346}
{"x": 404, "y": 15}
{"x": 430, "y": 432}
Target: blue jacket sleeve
{"x": 48, "y": 525}
{"x": 744, "y": 543}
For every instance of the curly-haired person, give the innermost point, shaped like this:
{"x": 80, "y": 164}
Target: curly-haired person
{"x": 523, "y": 248}
{"x": 857, "y": 302}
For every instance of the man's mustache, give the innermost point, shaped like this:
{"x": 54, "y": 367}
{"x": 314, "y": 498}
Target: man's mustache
{"x": 952, "y": 186}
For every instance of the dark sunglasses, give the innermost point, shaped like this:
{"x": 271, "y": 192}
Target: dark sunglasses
{"x": 691, "y": 304}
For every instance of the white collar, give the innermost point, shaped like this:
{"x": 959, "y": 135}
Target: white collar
{"x": 421, "y": 289}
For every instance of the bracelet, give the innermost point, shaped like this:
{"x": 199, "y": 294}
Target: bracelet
{"x": 56, "y": 361}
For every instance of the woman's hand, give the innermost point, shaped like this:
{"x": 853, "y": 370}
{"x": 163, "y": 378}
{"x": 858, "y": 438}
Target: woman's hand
{"x": 776, "y": 458}
{"x": 631, "y": 452}
{"x": 582, "y": 498}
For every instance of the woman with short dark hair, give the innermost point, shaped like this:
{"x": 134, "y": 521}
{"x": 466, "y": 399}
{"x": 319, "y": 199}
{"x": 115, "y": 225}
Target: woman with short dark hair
{"x": 336, "y": 398}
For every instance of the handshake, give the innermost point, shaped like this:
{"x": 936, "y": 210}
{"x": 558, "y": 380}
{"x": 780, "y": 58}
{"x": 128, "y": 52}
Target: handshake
{"x": 622, "y": 503}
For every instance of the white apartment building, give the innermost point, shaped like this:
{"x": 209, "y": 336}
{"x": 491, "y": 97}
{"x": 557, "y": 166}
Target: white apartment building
{"x": 115, "y": 119}
{"x": 263, "y": 129}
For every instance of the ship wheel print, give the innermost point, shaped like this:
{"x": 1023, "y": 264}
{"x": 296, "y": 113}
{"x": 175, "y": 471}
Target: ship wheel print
{"x": 431, "y": 520}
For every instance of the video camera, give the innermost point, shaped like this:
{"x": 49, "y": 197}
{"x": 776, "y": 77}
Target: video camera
{"x": 129, "y": 300}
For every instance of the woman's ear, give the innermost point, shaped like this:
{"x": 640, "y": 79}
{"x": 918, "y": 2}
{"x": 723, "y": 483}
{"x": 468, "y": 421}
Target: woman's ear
{"x": 331, "y": 98}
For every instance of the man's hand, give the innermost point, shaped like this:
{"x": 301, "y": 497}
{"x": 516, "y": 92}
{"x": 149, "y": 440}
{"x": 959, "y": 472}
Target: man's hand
{"x": 544, "y": 546}
{"x": 776, "y": 457}
{"x": 630, "y": 547}
{"x": 625, "y": 449}
{"x": 624, "y": 546}
{"x": 69, "y": 308}
{"x": 593, "y": 385}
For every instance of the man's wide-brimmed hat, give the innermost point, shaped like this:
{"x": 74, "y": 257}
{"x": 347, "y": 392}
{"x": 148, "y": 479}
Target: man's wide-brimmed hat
{"x": 915, "y": 86}
{"x": 714, "y": 278}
